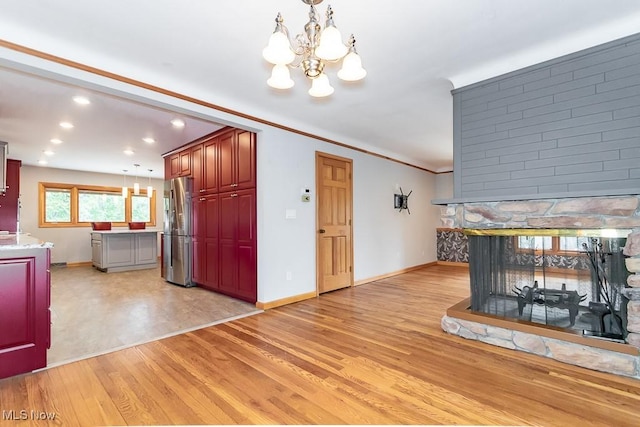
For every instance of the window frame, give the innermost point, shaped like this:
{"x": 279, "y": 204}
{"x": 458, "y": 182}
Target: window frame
{"x": 75, "y": 190}
{"x": 554, "y": 250}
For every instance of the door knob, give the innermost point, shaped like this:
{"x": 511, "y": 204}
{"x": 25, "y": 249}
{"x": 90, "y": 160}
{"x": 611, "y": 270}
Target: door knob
{"x": 322, "y": 230}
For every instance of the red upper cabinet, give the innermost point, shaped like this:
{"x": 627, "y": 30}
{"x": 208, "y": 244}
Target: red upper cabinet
{"x": 210, "y": 166}
{"x": 236, "y": 160}
{"x": 9, "y": 200}
{"x": 178, "y": 164}
{"x": 196, "y": 168}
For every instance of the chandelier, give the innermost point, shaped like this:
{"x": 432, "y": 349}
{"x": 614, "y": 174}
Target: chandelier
{"x": 312, "y": 51}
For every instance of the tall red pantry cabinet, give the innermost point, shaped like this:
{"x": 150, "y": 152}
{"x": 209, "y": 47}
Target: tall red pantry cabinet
{"x": 223, "y": 168}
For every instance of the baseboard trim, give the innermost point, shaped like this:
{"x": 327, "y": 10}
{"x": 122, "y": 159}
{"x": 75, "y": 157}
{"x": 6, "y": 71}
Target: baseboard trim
{"x": 454, "y": 264}
{"x": 79, "y": 264}
{"x": 284, "y": 301}
{"x": 394, "y": 273}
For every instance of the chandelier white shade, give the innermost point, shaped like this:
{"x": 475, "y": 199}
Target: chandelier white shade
{"x": 280, "y": 77}
{"x": 311, "y": 51}
{"x": 278, "y": 51}
{"x": 320, "y": 86}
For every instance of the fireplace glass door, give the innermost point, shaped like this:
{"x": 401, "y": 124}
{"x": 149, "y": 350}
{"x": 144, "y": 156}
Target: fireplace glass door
{"x": 568, "y": 282}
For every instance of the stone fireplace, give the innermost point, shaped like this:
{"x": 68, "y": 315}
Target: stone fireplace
{"x": 612, "y": 221}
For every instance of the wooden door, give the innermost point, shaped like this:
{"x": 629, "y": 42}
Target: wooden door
{"x": 334, "y": 246}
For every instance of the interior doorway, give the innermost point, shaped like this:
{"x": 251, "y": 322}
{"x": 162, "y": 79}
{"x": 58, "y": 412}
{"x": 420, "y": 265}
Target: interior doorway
{"x": 334, "y": 236}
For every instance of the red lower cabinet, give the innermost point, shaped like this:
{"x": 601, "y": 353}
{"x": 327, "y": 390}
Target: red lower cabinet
{"x": 205, "y": 242}
{"x": 25, "y": 319}
{"x": 238, "y": 264}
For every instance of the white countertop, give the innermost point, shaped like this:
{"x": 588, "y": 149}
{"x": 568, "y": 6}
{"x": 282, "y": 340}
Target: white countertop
{"x": 126, "y": 231}
{"x": 21, "y": 241}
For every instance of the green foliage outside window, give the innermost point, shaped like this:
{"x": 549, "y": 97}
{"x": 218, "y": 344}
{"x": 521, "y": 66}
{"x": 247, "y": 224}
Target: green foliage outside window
{"x": 58, "y": 205}
{"x": 140, "y": 211}
{"x": 95, "y": 206}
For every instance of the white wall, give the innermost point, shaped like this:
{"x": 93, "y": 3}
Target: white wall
{"x": 385, "y": 240}
{"x": 71, "y": 244}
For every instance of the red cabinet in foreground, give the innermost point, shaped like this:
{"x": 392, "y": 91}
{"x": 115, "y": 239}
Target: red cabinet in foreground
{"x": 25, "y": 319}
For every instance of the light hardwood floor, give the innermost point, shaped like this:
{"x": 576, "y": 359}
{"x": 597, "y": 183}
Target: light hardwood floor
{"x": 94, "y": 313}
{"x": 373, "y": 354}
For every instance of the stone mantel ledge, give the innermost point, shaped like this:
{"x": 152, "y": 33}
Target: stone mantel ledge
{"x": 586, "y": 212}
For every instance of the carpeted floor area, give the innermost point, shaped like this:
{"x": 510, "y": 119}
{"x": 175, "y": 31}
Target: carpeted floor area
{"x": 94, "y": 313}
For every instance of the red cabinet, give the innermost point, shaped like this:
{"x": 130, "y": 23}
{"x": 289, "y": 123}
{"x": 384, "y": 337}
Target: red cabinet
{"x": 204, "y": 166}
{"x": 178, "y": 164}
{"x": 196, "y": 169}
{"x": 210, "y": 166}
{"x": 223, "y": 168}
{"x": 9, "y": 200}
{"x": 237, "y": 160}
{"x": 238, "y": 244}
{"x": 24, "y": 310}
{"x": 205, "y": 241}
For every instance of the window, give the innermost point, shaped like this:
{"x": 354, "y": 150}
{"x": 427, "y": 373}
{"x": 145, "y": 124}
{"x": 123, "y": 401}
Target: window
{"x": 552, "y": 243}
{"x": 537, "y": 243}
{"x": 70, "y": 205}
{"x": 100, "y": 206}
{"x": 140, "y": 208}
{"x": 58, "y": 202}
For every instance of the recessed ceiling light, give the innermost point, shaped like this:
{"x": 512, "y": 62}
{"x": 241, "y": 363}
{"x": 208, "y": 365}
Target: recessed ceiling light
{"x": 55, "y": 141}
{"x": 48, "y": 153}
{"x": 81, "y": 100}
{"x": 129, "y": 152}
{"x": 66, "y": 125}
{"x": 177, "y": 123}
{"x": 149, "y": 140}
{"x": 42, "y": 162}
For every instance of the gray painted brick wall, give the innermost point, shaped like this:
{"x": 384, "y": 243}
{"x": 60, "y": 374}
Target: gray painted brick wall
{"x": 568, "y": 127}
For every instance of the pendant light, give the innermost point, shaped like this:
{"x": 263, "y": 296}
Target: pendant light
{"x": 125, "y": 189}
{"x": 149, "y": 187}
{"x": 136, "y": 185}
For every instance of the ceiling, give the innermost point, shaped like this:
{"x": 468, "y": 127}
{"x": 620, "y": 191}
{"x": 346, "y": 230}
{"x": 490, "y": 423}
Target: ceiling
{"x": 415, "y": 53}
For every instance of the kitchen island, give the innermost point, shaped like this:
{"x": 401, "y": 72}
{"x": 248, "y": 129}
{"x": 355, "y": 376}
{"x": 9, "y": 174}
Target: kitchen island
{"x": 123, "y": 250}
{"x": 25, "y": 289}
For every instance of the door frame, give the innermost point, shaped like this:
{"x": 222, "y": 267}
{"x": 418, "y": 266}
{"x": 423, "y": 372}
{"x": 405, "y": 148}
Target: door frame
{"x": 319, "y": 156}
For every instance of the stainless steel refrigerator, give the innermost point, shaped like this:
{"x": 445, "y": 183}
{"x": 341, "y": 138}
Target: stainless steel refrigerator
{"x": 177, "y": 231}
